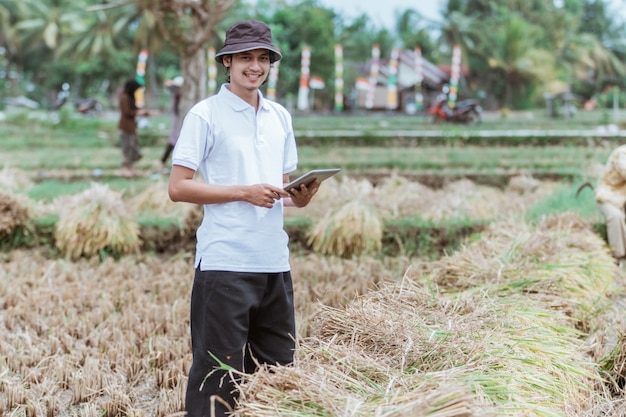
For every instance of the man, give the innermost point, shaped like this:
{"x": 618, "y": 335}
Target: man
{"x": 610, "y": 195}
{"x": 127, "y": 126}
{"x": 242, "y": 311}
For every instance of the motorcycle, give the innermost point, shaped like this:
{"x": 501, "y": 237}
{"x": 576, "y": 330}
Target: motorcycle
{"x": 87, "y": 105}
{"x": 82, "y": 105}
{"x": 465, "y": 111}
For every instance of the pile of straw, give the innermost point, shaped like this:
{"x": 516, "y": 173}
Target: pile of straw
{"x": 399, "y": 197}
{"x": 15, "y": 213}
{"x": 497, "y": 329}
{"x": 154, "y": 200}
{"x": 14, "y": 179}
{"x": 354, "y": 229}
{"x": 96, "y": 220}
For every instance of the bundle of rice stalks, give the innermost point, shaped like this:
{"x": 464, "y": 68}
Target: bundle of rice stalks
{"x": 154, "y": 200}
{"x": 523, "y": 183}
{"x": 15, "y": 212}
{"x": 312, "y": 389}
{"x": 14, "y": 179}
{"x": 332, "y": 281}
{"x": 561, "y": 263}
{"x": 388, "y": 352}
{"x": 96, "y": 220}
{"x": 353, "y": 230}
{"x": 338, "y": 191}
{"x": 613, "y": 367}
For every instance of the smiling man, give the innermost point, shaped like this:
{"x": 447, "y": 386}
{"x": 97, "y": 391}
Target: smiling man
{"x": 242, "y": 311}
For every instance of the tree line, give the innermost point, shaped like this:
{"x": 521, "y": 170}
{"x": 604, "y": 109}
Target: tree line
{"x": 514, "y": 51}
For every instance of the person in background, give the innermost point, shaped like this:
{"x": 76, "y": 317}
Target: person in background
{"x": 127, "y": 125}
{"x": 610, "y": 196}
{"x": 175, "y": 88}
{"x": 242, "y": 308}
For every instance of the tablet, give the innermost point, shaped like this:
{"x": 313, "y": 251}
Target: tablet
{"x": 308, "y": 178}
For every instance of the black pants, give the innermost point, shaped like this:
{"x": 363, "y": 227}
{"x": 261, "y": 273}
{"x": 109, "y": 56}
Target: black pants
{"x": 236, "y": 319}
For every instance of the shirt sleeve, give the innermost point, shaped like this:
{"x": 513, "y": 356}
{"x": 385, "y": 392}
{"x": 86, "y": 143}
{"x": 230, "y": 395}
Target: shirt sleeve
{"x": 193, "y": 142}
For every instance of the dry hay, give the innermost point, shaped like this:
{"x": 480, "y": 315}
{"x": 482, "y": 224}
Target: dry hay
{"x": 399, "y": 197}
{"x": 523, "y": 183}
{"x": 14, "y": 179}
{"x": 94, "y": 336}
{"x": 114, "y": 334}
{"x": 509, "y": 338}
{"x": 561, "y": 261}
{"x": 155, "y": 200}
{"x": 354, "y": 229}
{"x": 15, "y": 212}
{"x": 333, "y": 282}
{"x": 94, "y": 220}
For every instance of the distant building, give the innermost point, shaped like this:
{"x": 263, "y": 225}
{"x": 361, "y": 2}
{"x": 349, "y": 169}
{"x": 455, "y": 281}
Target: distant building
{"x": 434, "y": 80}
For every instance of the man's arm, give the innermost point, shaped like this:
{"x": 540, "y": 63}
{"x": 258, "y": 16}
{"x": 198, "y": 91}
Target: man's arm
{"x": 183, "y": 187}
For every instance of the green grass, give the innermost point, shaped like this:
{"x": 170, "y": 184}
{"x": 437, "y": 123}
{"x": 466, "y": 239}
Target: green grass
{"x": 564, "y": 199}
{"x": 534, "y": 119}
{"x": 50, "y": 189}
{"x": 63, "y": 154}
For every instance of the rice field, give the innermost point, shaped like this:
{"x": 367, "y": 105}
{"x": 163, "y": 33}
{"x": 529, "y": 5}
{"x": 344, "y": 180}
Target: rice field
{"x": 523, "y": 318}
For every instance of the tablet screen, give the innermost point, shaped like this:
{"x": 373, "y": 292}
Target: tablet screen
{"x": 308, "y": 178}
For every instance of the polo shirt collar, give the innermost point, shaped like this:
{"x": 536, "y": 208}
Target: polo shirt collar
{"x": 237, "y": 103}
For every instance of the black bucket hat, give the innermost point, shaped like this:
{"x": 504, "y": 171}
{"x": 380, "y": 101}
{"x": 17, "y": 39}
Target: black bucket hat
{"x": 246, "y": 36}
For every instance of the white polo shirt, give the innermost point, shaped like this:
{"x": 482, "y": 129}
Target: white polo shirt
{"x": 229, "y": 143}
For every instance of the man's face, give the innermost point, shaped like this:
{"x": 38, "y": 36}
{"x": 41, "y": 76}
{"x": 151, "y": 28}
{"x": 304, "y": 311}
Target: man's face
{"x": 248, "y": 70}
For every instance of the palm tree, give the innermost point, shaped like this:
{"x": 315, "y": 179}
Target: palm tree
{"x": 8, "y": 33}
{"x": 512, "y": 51}
{"x": 100, "y": 35}
{"x": 45, "y": 22}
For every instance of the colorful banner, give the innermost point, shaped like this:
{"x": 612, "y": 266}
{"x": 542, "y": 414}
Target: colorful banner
{"x": 373, "y": 80}
{"x": 272, "y": 81}
{"x": 419, "y": 78}
{"x": 392, "y": 80}
{"x": 212, "y": 71}
{"x": 303, "y": 91}
{"x": 338, "y": 78}
{"x": 454, "y": 76}
{"x": 141, "y": 78}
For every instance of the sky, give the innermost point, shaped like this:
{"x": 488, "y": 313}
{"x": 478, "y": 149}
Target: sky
{"x": 382, "y": 12}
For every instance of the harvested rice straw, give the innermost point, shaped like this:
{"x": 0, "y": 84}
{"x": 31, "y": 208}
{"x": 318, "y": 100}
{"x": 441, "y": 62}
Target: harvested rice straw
{"x": 331, "y": 387}
{"x": 14, "y": 179}
{"x": 153, "y": 198}
{"x": 613, "y": 367}
{"x": 514, "y": 352}
{"x": 94, "y": 220}
{"x": 15, "y": 212}
{"x": 338, "y": 190}
{"x": 563, "y": 263}
{"x": 156, "y": 200}
{"x": 332, "y": 281}
{"x": 355, "y": 229}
